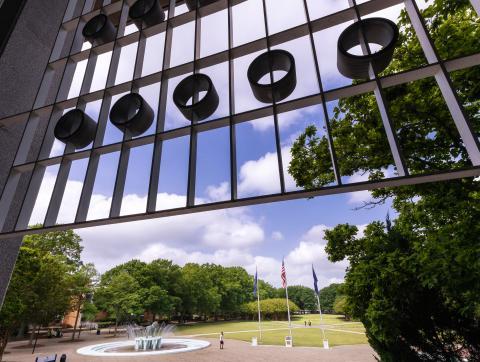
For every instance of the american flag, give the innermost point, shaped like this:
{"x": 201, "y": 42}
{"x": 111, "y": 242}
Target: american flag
{"x": 284, "y": 276}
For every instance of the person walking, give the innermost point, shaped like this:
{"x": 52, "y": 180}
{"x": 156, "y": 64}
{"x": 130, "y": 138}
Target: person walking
{"x": 305, "y": 323}
{"x": 221, "y": 340}
{"x": 309, "y": 323}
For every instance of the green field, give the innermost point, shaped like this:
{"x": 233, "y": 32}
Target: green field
{"x": 337, "y": 331}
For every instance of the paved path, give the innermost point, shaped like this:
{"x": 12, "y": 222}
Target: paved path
{"x": 235, "y": 351}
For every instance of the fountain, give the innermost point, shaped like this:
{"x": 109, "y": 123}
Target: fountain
{"x": 149, "y": 338}
{"x": 145, "y": 341}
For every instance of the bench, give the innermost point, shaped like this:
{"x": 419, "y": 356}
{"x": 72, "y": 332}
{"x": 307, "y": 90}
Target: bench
{"x": 51, "y": 358}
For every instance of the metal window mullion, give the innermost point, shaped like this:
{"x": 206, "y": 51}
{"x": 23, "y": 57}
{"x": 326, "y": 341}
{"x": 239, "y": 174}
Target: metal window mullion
{"x": 94, "y": 159}
{"x": 388, "y": 126}
{"x": 278, "y": 144}
{"x": 231, "y": 99}
{"x": 122, "y": 167}
{"x": 137, "y": 73}
{"x": 89, "y": 72}
{"x": 30, "y": 197}
{"x": 333, "y": 154}
{"x": 73, "y": 7}
{"x": 119, "y": 188}
{"x": 58, "y": 192}
{"x": 93, "y": 162}
{"x": 88, "y": 6}
{"x": 162, "y": 106}
{"x": 35, "y": 180}
{"x": 292, "y": 195}
{"x": 8, "y": 194}
{"x": 192, "y": 159}
{"x": 465, "y": 129}
{"x": 61, "y": 179}
{"x": 87, "y": 187}
{"x": 117, "y": 48}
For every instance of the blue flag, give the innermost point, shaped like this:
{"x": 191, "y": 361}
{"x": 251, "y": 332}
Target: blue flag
{"x": 315, "y": 280}
{"x": 255, "y": 281}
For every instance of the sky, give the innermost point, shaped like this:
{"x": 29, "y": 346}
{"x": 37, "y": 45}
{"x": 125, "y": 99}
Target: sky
{"x": 255, "y": 236}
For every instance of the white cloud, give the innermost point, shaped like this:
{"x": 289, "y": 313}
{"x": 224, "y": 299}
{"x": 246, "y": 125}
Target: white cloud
{"x": 223, "y": 237}
{"x": 219, "y": 193}
{"x": 261, "y": 176}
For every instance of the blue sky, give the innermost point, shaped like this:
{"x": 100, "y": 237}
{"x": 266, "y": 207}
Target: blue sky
{"x": 257, "y": 235}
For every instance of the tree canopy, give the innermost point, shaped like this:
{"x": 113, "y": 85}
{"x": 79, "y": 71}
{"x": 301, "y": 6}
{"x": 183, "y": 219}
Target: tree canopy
{"x": 48, "y": 275}
{"x": 414, "y": 283}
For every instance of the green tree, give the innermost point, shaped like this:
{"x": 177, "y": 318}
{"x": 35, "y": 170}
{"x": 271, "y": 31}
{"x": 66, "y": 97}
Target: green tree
{"x": 328, "y": 295}
{"x": 157, "y": 301}
{"x": 340, "y": 305}
{"x": 41, "y": 287}
{"x": 267, "y": 291}
{"x": 82, "y": 286}
{"x": 234, "y": 286}
{"x": 274, "y": 308}
{"x": 415, "y": 284}
{"x": 120, "y": 297}
{"x": 89, "y": 311}
{"x": 60, "y": 243}
{"x": 303, "y": 297}
{"x": 198, "y": 293}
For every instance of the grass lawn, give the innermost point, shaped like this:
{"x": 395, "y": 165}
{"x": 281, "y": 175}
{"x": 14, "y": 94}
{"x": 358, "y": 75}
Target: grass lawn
{"x": 337, "y": 331}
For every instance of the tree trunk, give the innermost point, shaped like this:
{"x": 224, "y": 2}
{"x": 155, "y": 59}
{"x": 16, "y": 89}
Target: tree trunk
{"x": 21, "y": 330}
{"x": 4, "y": 334}
{"x": 116, "y": 325}
{"x": 76, "y": 317}
{"x": 30, "y": 341}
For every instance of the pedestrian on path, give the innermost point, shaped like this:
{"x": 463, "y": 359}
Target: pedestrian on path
{"x": 305, "y": 323}
{"x": 221, "y": 340}
{"x": 309, "y": 323}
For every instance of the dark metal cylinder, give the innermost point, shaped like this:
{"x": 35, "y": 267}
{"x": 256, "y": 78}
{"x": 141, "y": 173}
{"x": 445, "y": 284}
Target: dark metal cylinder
{"x": 265, "y": 63}
{"x": 132, "y": 113}
{"x": 75, "y": 127}
{"x": 191, "y": 86}
{"x": 376, "y": 30}
{"x": 99, "y": 29}
{"x": 145, "y": 13}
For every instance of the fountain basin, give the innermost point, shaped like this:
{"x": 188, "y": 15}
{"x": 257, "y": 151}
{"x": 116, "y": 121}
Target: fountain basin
{"x": 148, "y": 343}
{"x": 128, "y": 348}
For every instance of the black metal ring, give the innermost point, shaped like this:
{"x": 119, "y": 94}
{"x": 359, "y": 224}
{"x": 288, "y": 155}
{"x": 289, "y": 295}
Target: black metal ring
{"x": 76, "y": 128}
{"x": 146, "y": 13}
{"x": 132, "y": 113}
{"x": 270, "y": 61}
{"x": 100, "y": 28}
{"x": 190, "y": 86}
{"x": 376, "y": 30}
{"x": 193, "y": 4}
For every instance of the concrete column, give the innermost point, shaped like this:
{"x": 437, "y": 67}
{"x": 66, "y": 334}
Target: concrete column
{"x": 21, "y": 70}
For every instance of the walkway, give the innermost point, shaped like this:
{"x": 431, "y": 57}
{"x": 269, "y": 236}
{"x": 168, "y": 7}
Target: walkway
{"x": 235, "y": 351}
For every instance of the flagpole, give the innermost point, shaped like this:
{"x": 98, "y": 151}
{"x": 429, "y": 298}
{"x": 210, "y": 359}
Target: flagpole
{"x": 321, "y": 316}
{"x": 258, "y": 303}
{"x": 284, "y": 276}
{"x": 288, "y": 310}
